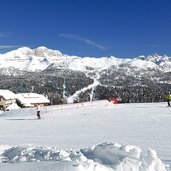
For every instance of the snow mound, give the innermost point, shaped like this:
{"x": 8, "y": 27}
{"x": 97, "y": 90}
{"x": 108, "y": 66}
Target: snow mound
{"x": 13, "y": 106}
{"x": 101, "y": 157}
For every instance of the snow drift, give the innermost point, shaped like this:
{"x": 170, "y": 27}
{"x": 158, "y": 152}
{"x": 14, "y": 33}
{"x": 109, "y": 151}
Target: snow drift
{"x": 101, "y": 157}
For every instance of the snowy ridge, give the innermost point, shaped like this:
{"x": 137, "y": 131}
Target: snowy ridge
{"x": 38, "y": 59}
{"x": 105, "y": 157}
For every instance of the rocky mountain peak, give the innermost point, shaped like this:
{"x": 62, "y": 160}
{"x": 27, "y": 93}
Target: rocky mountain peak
{"x": 45, "y": 52}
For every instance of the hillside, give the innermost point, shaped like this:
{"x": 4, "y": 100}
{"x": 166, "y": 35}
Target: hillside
{"x": 63, "y": 77}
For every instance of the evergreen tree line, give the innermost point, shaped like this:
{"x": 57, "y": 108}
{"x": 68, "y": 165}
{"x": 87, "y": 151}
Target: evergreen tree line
{"x": 58, "y": 84}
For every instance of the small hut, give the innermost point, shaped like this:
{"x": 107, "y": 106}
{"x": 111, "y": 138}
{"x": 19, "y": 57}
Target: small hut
{"x": 31, "y": 99}
{"x": 7, "y": 98}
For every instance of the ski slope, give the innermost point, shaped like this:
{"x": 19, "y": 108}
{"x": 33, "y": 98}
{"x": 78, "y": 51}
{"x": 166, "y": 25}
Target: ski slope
{"x": 93, "y": 136}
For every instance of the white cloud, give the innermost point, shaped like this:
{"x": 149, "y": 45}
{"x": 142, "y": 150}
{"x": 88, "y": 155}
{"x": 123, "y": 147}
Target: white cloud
{"x": 8, "y": 46}
{"x": 87, "y": 41}
{"x": 90, "y": 42}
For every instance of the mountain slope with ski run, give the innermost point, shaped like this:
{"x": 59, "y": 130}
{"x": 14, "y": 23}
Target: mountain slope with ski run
{"x": 42, "y": 58}
{"x": 61, "y": 77}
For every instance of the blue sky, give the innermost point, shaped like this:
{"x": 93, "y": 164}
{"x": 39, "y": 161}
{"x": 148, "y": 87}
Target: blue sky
{"x": 120, "y": 28}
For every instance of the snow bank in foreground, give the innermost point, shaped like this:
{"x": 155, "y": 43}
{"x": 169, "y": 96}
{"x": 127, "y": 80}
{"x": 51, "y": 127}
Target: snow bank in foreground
{"x": 101, "y": 157}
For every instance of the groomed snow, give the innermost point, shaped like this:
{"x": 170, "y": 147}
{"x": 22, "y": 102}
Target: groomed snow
{"x": 95, "y": 136}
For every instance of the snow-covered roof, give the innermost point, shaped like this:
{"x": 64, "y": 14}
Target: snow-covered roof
{"x": 32, "y": 98}
{"x": 7, "y": 94}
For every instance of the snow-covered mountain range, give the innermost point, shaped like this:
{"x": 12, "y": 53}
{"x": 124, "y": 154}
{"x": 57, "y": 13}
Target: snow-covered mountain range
{"x": 42, "y": 58}
{"x": 60, "y": 76}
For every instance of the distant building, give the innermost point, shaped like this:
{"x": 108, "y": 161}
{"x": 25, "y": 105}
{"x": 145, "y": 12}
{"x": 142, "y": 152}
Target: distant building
{"x": 31, "y": 99}
{"x": 6, "y": 98}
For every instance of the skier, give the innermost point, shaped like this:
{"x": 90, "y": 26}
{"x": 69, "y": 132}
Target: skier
{"x": 168, "y": 96}
{"x": 38, "y": 111}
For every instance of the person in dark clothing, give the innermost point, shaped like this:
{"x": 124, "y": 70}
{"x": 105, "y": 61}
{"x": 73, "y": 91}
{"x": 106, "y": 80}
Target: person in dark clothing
{"x": 168, "y": 98}
{"x": 38, "y": 111}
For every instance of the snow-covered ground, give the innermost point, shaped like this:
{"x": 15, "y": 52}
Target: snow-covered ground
{"x": 93, "y": 136}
